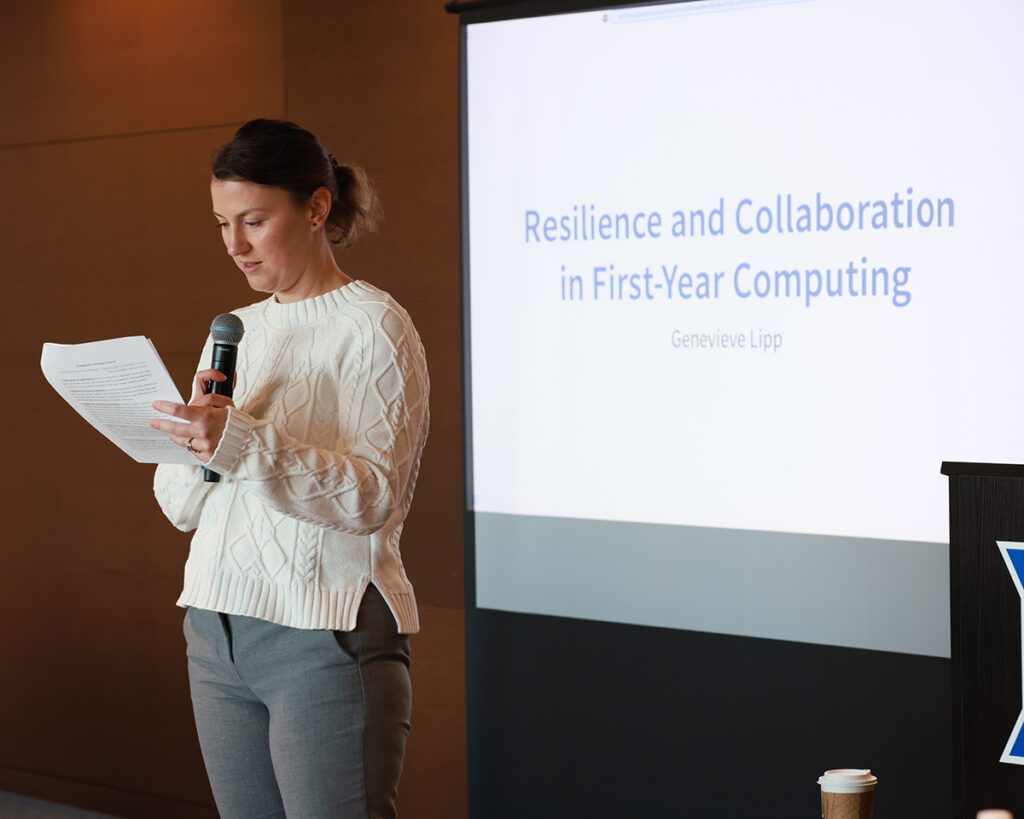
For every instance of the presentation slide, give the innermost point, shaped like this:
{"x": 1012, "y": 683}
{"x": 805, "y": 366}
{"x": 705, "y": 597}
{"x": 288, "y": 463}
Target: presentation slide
{"x": 741, "y": 275}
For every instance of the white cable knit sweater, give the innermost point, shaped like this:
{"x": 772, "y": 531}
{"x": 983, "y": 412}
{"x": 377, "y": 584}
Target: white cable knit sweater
{"x": 318, "y": 463}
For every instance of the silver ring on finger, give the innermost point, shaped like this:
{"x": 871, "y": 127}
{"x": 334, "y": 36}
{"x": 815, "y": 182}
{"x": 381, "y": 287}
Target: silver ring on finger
{"x": 188, "y": 446}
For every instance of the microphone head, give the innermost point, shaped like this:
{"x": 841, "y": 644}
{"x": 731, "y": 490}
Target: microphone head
{"x": 227, "y": 329}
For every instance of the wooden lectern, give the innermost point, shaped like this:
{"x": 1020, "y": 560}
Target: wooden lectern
{"x": 986, "y": 506}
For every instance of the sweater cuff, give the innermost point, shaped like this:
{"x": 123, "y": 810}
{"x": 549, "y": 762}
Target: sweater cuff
{"x": 229, "y": 449}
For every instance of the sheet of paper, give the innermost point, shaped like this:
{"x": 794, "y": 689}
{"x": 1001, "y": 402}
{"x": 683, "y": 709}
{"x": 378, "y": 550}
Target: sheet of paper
{"x": 112, "y": 385}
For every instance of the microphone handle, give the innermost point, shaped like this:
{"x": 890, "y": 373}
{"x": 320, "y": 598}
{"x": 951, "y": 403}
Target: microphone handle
{"x": 224, "y": 358}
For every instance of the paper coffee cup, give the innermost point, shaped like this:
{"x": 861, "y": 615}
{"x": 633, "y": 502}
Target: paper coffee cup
{"x": 847, "y": 793}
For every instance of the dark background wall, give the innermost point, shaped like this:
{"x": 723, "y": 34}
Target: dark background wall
{"x": 110, "y": 110}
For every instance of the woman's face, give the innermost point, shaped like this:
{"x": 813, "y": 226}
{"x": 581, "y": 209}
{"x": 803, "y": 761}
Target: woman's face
{"x": 270, "y": 238}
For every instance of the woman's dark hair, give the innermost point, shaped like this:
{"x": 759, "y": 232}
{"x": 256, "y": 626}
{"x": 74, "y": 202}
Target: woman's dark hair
{"x": 280, "y": 154}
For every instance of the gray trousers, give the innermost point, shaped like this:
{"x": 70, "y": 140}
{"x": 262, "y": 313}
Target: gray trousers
{"x": 299, "y": 723}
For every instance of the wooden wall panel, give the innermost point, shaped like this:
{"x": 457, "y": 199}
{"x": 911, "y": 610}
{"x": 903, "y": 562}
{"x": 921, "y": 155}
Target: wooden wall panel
{"x": 378, "y": 83}
{"x": 107, "y": 232}
{"x": 434, "y": 784}
{"x": 107, "y": 235}
{"x": 74, "y": 69}
{"x": 110, "y": 801}
{"x": 95, "y": 681}
{"x": 114, "y": 238}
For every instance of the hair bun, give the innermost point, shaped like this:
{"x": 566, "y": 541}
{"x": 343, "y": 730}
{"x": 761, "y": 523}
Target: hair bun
{"x": 356, "y": 209}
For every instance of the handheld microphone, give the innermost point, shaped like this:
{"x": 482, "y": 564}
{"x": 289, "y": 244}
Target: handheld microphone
{"x": 226, "y": 331}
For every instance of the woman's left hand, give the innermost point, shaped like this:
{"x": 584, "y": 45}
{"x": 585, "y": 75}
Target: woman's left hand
{"x": 207, "y": 416}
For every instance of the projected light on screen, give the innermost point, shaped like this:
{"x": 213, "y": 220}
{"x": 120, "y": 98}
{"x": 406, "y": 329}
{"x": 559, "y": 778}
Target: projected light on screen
{"x": 740, "y": 276}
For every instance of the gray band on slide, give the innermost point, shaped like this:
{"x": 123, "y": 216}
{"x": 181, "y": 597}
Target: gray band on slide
{"x": 885, "y": 595}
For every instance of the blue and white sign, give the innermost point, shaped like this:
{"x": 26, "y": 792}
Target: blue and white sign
{"x": 1013, "y": 554}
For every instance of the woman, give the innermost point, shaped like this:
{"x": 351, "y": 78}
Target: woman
{"x": 298, "y": 605}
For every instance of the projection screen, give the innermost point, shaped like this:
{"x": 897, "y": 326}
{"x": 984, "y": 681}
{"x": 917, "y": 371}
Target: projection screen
{"x": 739, "y": 277}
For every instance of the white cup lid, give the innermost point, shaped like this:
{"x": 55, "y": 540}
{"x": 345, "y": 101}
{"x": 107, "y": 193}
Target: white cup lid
{"x": 994, "y": 814}
{"x": 847, "y": 780}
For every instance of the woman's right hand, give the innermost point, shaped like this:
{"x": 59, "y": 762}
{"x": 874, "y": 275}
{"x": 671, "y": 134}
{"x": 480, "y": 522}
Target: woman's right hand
{"x": 204, "y": 381}
{"x": 201, "y": 424}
